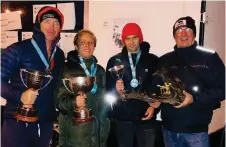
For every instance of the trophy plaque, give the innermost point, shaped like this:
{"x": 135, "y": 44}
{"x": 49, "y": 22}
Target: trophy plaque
{"x": 170, "y": 92}
{"x": 79, "y": 86}
{"x": 34, "y": 80}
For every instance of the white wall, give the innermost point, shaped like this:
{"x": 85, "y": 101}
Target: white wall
{"x": 214, "y": 38}
{"x": 156, "y": 19}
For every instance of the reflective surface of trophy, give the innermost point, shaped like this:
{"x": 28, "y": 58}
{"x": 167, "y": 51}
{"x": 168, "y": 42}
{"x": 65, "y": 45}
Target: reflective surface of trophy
{"x": 79, "y": 86}
{"x": 117, "y": 71}
{"x": 34, "y": 80}
{"x": 170, "y": 92}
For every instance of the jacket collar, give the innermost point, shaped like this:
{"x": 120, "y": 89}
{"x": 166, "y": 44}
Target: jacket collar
{"x": 186, "y": 49}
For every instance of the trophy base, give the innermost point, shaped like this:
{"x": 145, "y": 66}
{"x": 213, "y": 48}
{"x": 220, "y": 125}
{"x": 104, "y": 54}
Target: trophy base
{"x": 82, "y": 115}
{"x": 25, "y": 113}
{"x": 82, "y": 120}
{"x": 25, "y": 118}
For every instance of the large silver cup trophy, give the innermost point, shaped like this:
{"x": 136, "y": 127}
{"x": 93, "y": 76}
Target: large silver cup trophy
{"x": 79, "y": 86}
{"x": 33, "y": 80}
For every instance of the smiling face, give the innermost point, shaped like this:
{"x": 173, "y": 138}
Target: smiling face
{"x": 184, "y": 37}
{"x": 86, "y": 45}
{"x": 51, "y": 28}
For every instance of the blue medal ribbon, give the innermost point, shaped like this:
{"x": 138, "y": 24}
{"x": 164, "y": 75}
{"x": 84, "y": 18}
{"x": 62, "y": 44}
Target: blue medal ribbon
{"x": 90, "y": 74}
{"x": 134, "y": 82}
{"x": 41, "y": 54}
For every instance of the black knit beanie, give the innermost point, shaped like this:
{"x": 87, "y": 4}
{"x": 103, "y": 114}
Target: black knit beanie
{"x": 184, "y": 22}
{"x": 50, "y": 14}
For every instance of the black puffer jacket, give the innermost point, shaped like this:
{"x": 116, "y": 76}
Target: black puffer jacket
{"x": 24, "y": 55}
{"x": 132, "y": 109}
{"x": 200, "y": 69}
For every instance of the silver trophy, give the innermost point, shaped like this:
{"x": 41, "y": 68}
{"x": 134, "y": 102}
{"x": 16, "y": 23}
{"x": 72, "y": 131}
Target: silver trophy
{"x": 79, "y": 86}
{"x": 33, "y": 80}
{"x": 117, "y": 71}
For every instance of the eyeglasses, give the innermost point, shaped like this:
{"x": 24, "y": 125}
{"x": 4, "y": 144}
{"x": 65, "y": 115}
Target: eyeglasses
{"x": 180, "y": 30}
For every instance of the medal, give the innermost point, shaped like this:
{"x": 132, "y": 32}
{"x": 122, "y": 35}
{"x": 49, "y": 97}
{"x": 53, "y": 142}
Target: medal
{"x": 134, "y": 83}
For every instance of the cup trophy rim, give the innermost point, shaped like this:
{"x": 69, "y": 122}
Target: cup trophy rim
{"x": 116, "y": 70}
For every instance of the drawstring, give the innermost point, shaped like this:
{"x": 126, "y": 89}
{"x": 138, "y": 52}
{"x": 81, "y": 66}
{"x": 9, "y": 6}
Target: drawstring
{"x": 38, "y": 130}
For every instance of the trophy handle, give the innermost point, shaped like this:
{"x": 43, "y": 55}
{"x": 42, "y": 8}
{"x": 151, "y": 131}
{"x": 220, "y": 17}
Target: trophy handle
{"x": 66, "y": 86}
{"x": 23, "y": 70}
{"x": 46, "y": 76}
{"x": 50, "y": 78}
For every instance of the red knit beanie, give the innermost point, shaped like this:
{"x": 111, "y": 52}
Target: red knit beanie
{"x": 132, "y": 29}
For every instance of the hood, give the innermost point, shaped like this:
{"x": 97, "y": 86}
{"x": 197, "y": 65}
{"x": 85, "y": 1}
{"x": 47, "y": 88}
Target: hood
{"x": 36, "y": 30}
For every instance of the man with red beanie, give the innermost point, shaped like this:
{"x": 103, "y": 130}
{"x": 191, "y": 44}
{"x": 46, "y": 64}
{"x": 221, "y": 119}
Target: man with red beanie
{"x": 133, "y": 120}
{"x": 40, "y": 54}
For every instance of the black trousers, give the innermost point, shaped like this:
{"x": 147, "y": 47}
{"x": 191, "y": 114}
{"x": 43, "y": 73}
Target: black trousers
{"x": 19, "y": 134}
{"x": 130, "y": 134}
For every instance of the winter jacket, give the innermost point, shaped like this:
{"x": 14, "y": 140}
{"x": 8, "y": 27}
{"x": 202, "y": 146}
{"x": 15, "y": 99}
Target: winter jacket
{"x": 203, "y": 75}
{"x": 86, "y": 134}
{"x": 132, "y": 109}
{"x": 23, "y": 55}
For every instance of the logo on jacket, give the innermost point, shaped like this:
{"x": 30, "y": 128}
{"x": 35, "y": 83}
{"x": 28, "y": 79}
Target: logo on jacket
{"x": 146, "y": 70}
{"x": 118, "y": 60}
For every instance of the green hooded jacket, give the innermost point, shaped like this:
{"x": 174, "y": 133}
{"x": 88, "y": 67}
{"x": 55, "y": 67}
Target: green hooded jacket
{"x": 87, "y": 134}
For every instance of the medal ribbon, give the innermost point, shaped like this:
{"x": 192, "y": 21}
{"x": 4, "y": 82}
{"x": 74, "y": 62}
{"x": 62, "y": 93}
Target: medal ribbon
{"x": 133, "y": 68}
{"x": 91, "y": 73}
{"x": 41, "y": 54}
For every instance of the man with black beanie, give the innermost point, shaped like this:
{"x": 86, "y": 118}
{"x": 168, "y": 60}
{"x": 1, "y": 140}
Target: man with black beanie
{"x": 40, "y": 54}
{"x": 203, "y": 75}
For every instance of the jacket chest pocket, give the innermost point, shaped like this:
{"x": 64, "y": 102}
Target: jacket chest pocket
{"x": 31, "y": 61}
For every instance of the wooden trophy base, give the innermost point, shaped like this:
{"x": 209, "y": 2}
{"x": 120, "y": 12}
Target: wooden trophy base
{"x": 82, "y": 120}
{"x": 25, "y": 118}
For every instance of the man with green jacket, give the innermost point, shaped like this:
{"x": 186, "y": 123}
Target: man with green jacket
{"x": 81, "y": 61}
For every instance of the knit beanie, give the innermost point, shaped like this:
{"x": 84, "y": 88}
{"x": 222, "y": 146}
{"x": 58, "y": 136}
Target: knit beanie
{"x": 132, "y": 29}
{"x": 184, "y": 22}
{"x": 51, "y": 12}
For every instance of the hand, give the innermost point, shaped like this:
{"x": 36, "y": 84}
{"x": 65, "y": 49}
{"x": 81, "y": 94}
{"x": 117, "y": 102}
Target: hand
{"x": 120, "y": 86}
{"x": 187, "y": 101}
{"x": 148, "y": 113}
{"x": 29, "y": 96}
{"x": 80, "y": 100}
{"x": 155, "y": 104}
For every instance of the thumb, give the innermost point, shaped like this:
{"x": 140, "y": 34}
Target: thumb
{"x": 184, "y": 92}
